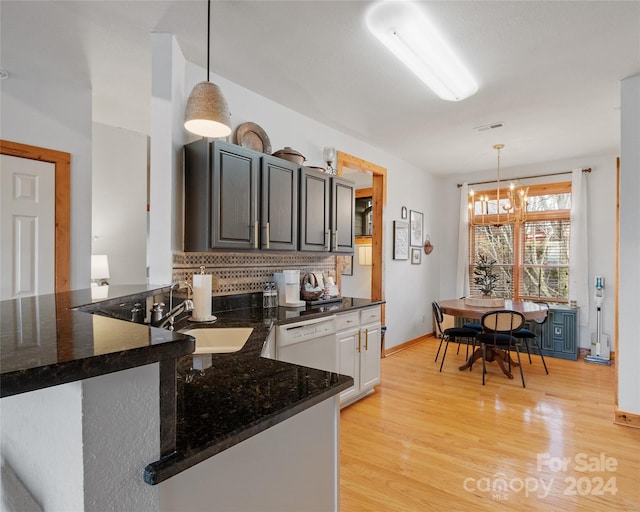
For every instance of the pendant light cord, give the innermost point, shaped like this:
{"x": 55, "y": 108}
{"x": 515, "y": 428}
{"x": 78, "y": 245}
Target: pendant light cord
{"x": 208, "y": 36}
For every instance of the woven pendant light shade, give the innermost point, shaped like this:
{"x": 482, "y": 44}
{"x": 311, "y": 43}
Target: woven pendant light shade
{"x": 207, "y": 113}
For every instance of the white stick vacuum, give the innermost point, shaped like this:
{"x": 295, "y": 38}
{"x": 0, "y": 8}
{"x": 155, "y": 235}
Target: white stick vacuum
{"x": 600, "y": 348}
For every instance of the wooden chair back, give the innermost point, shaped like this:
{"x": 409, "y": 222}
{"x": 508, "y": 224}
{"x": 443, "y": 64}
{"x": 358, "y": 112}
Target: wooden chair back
{"x": 503, "y": 321}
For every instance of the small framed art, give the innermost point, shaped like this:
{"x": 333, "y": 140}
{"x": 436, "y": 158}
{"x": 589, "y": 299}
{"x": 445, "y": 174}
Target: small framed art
{"x": 347, "y": 265}
{"x": 415, "y": 219}
{"x": 400, "y": 240}
{"x": 416, "y": 256}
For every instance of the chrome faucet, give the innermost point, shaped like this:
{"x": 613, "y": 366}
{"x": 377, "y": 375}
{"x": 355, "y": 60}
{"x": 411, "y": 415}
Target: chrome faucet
{"x": 187, "y": 305}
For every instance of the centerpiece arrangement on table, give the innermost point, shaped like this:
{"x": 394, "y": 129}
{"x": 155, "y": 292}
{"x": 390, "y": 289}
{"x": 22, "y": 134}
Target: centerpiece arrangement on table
{"x": 486, "y": 279}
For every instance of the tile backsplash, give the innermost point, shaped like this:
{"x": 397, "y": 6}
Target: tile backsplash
{"x": 238, "y": 273}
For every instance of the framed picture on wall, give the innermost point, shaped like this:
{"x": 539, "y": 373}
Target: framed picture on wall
{"x": 347, "y": 265}
{"x": 400, "y": 240}
{"x": 415, "y": 219}
{"x": 416, "y": 256}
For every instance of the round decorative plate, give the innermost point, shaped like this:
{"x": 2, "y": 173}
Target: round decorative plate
{"x": 252, "y": 136}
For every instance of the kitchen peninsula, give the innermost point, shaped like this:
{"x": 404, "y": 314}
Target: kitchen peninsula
{"x": 82, "y": 408}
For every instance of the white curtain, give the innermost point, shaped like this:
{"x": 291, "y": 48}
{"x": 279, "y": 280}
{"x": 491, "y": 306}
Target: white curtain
{"x": 579, "y": 264}
{"x": 462, "y": 269}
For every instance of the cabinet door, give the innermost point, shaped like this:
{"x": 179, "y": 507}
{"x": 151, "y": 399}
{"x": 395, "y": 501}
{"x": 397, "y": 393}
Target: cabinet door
{"x": 370, "y": 356}
{"x": 349, "y": 346}
{"x": 197, "y": 196}
{"x": 560, "y": 334}
{"x": 314, "y": 211}
{"x": 279, "y": 204}
{"x": 342, "y": 215}
{"x": 235, "y": 197}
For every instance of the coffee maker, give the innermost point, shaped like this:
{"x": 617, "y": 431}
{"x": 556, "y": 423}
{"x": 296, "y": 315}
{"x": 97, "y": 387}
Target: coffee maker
{"x": 288, "y": 283}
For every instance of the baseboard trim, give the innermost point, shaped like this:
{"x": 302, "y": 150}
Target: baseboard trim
{"x": 627, "y": 419}
{"x": 406, "y": 344}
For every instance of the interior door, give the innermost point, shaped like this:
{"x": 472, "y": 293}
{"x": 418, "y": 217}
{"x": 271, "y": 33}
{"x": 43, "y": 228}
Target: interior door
{"x": 27, "y": 227}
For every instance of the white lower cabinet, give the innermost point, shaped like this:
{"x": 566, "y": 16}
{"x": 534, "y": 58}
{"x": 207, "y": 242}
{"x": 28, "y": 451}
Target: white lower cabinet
{"x": 359, "y": 339}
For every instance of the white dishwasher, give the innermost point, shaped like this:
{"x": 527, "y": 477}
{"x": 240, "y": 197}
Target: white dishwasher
{"x": 309, "y": 343}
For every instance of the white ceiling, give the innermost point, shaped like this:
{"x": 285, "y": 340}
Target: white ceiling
{"x": 548, "y": 70}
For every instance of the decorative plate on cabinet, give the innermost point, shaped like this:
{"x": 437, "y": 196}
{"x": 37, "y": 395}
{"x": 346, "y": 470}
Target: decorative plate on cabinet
{"x": 252, "y": 136}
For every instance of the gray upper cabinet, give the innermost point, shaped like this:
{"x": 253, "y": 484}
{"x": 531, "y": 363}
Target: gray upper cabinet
{"x": 221, "y": 196}
{"x": 342, "y": 215}
{"x": 279, "y": 204}
{"x": 314, "y": 211}
{"x": 326, "y": 212}
{"x": 236, "y": 198}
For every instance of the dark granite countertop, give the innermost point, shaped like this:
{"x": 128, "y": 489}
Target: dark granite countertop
{"x": 291, "y": 315}
{"x": 43, "y": 342}
{"x": 242, "y": 394}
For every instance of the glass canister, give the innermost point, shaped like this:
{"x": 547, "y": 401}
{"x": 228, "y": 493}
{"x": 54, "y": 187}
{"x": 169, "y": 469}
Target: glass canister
{"x": 266, "y": 296}
{"x": 274, "y": 295}
{"x": 270, "y": 295}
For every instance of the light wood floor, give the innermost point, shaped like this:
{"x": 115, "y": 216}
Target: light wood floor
{"x": 431, "y": 441}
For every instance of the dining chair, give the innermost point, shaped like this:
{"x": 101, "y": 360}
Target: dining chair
{"x": 472, "y": 325}
{"x": 497, "y": 336}
{"x": 451, "y": 334}
{"x": 525, "y": 335}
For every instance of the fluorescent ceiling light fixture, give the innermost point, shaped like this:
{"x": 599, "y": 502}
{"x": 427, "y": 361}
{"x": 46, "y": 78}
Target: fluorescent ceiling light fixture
{"x": 405, "y": 30}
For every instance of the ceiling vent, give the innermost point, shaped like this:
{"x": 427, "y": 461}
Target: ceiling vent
{"x": 490, "y": 126}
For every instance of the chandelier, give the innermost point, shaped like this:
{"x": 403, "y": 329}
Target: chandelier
{"x": 514, "y": 204}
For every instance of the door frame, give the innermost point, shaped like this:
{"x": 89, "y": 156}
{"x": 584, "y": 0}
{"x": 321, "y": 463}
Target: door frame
{"x": 62, "y": 169}
{"x": 379, "y": 194}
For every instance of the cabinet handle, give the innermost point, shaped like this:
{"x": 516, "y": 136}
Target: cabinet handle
{"x": 366, "y": 339}
{"x": 268, "y": 235}
{"x": 359, "y": 338}
{"x": 255, "y": 235}
{"x": 327, "y": 238}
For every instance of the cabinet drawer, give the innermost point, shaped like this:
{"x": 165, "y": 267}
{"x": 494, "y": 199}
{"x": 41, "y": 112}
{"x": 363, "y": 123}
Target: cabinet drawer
{"x": 347, "y": 321}
{"x": 370, "y": 315}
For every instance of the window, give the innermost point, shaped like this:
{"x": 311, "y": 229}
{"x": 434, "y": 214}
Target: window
{"x": 532, "y": 257}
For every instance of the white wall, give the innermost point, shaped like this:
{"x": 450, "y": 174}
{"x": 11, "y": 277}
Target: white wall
{"x": 41, "y": 440}
{"x": 120, "y": 436}
{"x": 359, "y": 283}
{"x": 168, "y": 98}
{"x": 119, "y": 202}
{"x": 84, "y": 445}
{"x": 601, "y": 184}
{"x": 42, "y": 111}
{"x": 628, "y": 359}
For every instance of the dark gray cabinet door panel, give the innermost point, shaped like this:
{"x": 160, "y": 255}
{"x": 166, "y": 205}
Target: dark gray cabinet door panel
{"x": 197, "y": 196}
{"x": 279, "y": 204}
{"x": 221, "y": 196}
{"x": 235, "y": 197}
{"x": 342, "y": 215}
{"x": 314, "y": 211}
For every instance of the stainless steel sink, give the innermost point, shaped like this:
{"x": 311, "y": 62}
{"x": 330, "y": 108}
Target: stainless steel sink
{"x": 219, "y": 340}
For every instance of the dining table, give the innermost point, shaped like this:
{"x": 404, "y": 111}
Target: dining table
{"x": 459, "y": 308}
